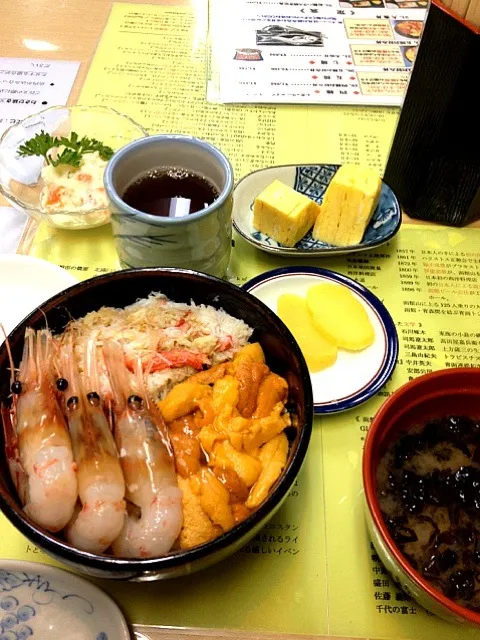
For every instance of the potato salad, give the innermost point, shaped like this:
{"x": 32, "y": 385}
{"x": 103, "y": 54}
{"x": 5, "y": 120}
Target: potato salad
{"x": 68, "y": 188}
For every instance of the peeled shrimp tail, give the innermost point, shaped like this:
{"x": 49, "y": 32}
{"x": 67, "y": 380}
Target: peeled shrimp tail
{"x": 100, "y": 517}
{"x": 155, "y": 532}
{"x": 101, "y": 484}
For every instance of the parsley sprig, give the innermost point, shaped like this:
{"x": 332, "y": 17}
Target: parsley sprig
{"x": 73, "y": 148}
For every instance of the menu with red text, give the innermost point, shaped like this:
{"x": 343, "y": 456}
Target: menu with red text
{"x": 304, "y": 51}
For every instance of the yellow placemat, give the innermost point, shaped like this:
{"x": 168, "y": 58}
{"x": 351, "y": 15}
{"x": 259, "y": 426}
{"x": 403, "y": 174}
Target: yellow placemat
{"x": 312, "y": 569}
{"x": 84, "y": 254}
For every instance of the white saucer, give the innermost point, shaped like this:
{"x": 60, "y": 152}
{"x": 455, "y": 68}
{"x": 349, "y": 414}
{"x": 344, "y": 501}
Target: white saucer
{"x": 25, "y": 283}
{"x": 356, "y": 376}
{"x": 40, "y": 601}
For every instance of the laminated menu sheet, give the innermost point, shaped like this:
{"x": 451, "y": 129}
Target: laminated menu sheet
{"x": 308, "y": 51}
{"x": 31, "y": 85}
{"x": 151, "y": 64}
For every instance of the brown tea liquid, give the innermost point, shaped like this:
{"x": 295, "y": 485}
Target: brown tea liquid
{"x": 170, "y": 192}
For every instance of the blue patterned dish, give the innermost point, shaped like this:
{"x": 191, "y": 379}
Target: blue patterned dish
{"x": 40, "y": 601}
{"x": 312, "y": 180}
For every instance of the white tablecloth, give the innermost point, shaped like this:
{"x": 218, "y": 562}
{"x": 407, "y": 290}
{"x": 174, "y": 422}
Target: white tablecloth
{"x": 12, "y": 224}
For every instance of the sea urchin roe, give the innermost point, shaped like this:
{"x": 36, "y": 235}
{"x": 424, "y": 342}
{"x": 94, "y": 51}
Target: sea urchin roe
{"x": 428, "y": 487}
{"x": 229, "y": 441}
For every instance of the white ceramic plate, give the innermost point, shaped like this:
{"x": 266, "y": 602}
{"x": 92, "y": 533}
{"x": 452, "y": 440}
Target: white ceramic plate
{"x": 26, "y": 282}
{"x": 40, "y": 601}
{"x": 356, "y": 376}
{"x": 311, "y": 180}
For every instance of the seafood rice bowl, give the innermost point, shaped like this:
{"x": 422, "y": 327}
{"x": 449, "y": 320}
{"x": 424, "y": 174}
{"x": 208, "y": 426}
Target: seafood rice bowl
{"x": 153, "y": 421}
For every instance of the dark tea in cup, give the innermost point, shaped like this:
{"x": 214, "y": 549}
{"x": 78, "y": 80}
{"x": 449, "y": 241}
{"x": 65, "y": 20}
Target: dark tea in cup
{"x": 171, "y": 199}
{"x": 171, "y": 192}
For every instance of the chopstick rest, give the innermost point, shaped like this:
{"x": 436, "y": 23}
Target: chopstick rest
{"x": 434, "y": 162}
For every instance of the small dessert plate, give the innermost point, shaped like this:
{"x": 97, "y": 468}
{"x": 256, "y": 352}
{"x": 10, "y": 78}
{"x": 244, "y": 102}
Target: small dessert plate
{"x": 26, "y": 282}
{"x": 311, "y": 180}
{"x": 40, "y": 601}
{"x": 355, "y": 376}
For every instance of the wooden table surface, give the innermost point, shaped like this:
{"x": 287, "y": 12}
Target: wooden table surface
{"x": 70, "y": 30}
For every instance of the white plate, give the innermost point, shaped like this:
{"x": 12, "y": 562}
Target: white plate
{"x": 355, "y": 376}
{"x": 40, "y": 601}
{"x": 26, "y": 282}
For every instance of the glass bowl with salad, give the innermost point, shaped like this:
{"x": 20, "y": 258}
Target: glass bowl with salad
{"x": 52, "y": 163}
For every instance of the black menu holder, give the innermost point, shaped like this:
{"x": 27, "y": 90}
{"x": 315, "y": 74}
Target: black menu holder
{"x": 434, "y": 161}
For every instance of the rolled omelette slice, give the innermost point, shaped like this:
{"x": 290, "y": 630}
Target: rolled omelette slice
{"x": 348, "y": 205}
{"x": 340, "y": 316}
{"x": 319, "y": 352}
{"x": 283, "y": 213}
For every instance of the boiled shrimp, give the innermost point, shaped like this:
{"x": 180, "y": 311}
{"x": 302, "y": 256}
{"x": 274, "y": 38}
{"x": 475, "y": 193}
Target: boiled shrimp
{"x": 147, "y": 461}
{"x": 37, "y": 442}
{"x": 101, "y": 486}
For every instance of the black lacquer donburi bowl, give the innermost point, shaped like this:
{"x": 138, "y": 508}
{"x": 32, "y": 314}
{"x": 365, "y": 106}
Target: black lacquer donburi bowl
{"x": 120, "y": 289}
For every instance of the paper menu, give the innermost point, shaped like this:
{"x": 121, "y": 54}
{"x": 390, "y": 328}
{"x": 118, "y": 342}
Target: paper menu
{"x": 341, "y": 52}
{"x": 31, "y": 85}
{"x": 151, "y": 65}
{"x": 312, "y": 569}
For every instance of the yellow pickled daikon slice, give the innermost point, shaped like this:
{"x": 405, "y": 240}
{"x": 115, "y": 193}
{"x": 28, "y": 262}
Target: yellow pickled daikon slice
{"x": 340, "y": 316}
{"x": 318, "y": 352}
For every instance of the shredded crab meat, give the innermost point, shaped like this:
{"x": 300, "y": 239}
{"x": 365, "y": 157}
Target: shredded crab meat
{"x": 173, "y": 340}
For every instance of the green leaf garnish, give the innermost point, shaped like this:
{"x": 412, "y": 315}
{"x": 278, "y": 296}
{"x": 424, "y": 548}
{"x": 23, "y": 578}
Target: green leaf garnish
{"x": 73, "y": 148}
{"x": 38, "y": 146}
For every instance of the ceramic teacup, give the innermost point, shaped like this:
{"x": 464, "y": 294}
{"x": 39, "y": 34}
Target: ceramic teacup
{"x": 201, "y": 241}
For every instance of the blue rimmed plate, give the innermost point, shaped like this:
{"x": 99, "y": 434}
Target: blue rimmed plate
{"x": 312, "y": 180}
{"x": 40, "y": 601}
{"x": 356, "y": 376}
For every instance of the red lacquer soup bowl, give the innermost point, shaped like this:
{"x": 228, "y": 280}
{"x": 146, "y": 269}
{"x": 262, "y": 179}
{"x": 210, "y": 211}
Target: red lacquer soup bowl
{"x": 450, "y": 392}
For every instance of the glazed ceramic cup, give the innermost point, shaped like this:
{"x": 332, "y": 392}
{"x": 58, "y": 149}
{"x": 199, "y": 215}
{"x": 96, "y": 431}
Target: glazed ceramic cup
{"x": 201, "y": 241}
